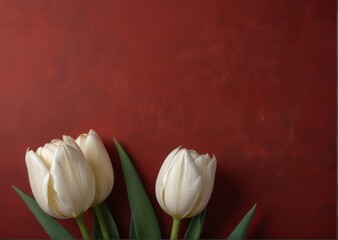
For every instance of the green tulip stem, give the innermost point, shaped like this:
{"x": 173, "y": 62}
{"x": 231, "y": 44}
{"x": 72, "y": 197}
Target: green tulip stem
{"x": 175, "y": 228}
{"x": 102, "y": 223}
{"x": 83, "y": 228}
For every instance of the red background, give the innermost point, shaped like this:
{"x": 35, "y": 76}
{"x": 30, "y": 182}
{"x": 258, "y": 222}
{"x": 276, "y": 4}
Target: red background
{"x": 253, "y": 82}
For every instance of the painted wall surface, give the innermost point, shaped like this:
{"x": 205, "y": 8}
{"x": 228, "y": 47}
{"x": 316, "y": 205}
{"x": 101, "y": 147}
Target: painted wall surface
{"x": 251, "y": 81}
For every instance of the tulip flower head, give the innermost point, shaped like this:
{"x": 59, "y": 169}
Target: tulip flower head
{"x": 184, "y": 183}
{"x": 99, "y": 161}
{"x": 61, "y": 180}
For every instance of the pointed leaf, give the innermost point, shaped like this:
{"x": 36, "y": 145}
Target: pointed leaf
{"x": 132, "y": 233}
{"x": 109, "y": 220}
{"x": 50, "y": 225}
{"x": 97, "y": 233}
{"x": 241, "y": 230}
{"x": 195, "y": 226}
{"x": 144, "y": 219}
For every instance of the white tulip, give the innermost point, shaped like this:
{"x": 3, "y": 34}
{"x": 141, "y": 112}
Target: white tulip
{"x": 61, "y": 180}
{"x": 99, "y": 161}
{"x": 184, "y": 183}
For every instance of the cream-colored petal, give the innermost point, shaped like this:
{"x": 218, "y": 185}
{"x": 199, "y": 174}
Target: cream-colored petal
{"x": 207, "y": 187}
{"x": 160, "y": 198}
{"x": 180, "y": 154}
{"x": 201, "y": 163}
{"x": 71, "y": 142}
{"x": 56, "y": 143}
{"x": 81, "y": 140}
{"x": 159, "y": 179}
{"x": 181, "y": 186}
{"x": 180, "y": 202}
{"x": 168, "y": 160}
{"x": 99, "y": 161}
{"x": 73, "y": 181}
{"x": 46, "y": 154}
{"x": 193, "y": 154}
{"x": 38, "y": 175}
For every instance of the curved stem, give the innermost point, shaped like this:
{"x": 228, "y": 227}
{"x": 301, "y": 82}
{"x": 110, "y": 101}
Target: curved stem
{"x": 82, "y": 226}
{"x": 102, "y": 223}
{"x": 175, "y": 228}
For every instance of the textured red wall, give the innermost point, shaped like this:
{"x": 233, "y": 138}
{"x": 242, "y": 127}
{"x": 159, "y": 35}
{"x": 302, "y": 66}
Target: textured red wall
{"x": 253, "y": 82}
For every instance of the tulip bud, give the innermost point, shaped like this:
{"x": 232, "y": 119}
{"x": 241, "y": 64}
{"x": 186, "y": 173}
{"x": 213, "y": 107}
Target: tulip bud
{"x": 99, "y": 161}
{"x": 184, "y": 183}
{"x": 61, "y": 180}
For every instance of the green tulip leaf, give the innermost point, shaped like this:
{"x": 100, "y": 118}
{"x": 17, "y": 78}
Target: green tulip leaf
{"x": 97, "y": 233}
{"x": 132, "y": 233}
{"x": 110, "y": 223}
{"x": 50, "y": 225}
{"x": 195, "y": 226}
{"x": 242, "y": 228}
{"x": 143, "y": 215}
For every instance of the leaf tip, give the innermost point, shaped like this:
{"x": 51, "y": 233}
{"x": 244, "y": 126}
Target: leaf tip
{"x": 117, "y": 144}
{"x": 15, "y": 188}
{"x": 254, "y": 207}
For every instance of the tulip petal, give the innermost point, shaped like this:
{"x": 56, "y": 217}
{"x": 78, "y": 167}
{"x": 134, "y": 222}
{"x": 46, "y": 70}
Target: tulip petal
{"x": 81, "y": 140}
{"x": 207, "y": 187}
{"x": 201, "y": 163}
{"x": 167, "y": 162}
{"x": 182, "y": 185}
{"x": 70, "y": 141}
{"x": 54, "y": 144}
{"x": 73, "y": 181}
{"x": 100, "y": 163}
{"x": 159, "y": 179}
{"x": 193, "y": 154}
{"x": 39, "y": 176}
{"x": 46, "y": 155}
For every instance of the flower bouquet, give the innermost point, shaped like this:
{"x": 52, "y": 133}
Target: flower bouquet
{"x": 69, "y": 176}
